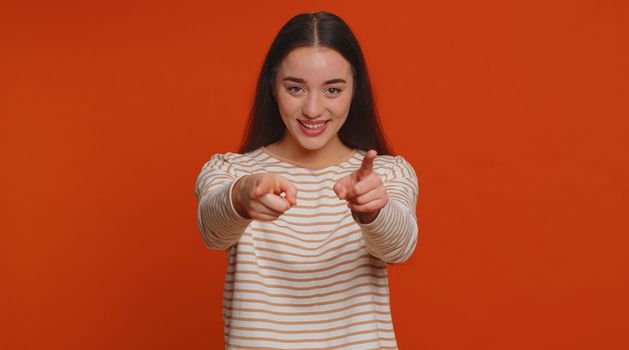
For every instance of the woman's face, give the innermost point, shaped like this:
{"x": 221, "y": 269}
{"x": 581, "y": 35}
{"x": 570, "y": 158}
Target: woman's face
{"x": 313, "y": 89}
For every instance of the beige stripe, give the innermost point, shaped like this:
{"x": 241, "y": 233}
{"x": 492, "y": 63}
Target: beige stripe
{"x": 306, "y": 313}
{"x": 403, "y": 169}
{"x": 364, "y": 284}
{"x": 320, "y": 182}
{"x": 274, "y": 295}
{"x": 346, "y": 335}
{"x": 282, "y": 286}
{"x": 215, "y": 178}
{"x": 357, "y": 314}
{"x": 298, "y": 246}
{"x": 229, "y": 168}
{"x": 206, "y": 188}
{"x": 307, "y": 279}
{"x": 223, "y": 164}
{"x": 356, "y": 158}
{"x": 313, "y": 223}
{"x": 322, "y": 205}
{"x": 298, "y": 270}
{"x": 255, "y": 160}
{"x": 403, "y": 200}
{"x": 319, "y": 303}
{"x": 316, "y": 198}
{"x": 296, "y": 215}
{"x": 349, "y": 252}
{"x": 291, "y": 170}
{"x": 310, "y": 190}
{"x": 305, "y": 331}
{"x": 301, "y": 255}
{"x": 231, "y": 346}
{"x": 263, "y": 230}
{"x": 339, "y": 171}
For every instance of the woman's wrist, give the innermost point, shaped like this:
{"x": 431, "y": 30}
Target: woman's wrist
{"x": 236, "y": 197}
{"x": 366, "y": 218}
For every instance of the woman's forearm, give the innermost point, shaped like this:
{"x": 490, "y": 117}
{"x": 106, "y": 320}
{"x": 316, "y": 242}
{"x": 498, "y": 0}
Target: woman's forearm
{"x": 393, "y": 234}
{"x": 220, "y": 223}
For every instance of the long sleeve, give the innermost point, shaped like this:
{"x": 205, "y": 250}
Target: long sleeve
{"x": 219, "y": 223}
{"x": 393, "y": 235}
{"x": 312, "y": 260}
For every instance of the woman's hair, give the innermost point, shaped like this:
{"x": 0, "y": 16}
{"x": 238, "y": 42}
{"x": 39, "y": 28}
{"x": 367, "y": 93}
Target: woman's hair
{"x": 361, "y": 129}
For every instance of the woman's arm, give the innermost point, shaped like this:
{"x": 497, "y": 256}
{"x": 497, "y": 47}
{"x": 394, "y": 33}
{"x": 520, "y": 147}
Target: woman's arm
{"x": 219, "y": 223}
{"x": 230, "y": 196}
{"x": 392, "y": 236}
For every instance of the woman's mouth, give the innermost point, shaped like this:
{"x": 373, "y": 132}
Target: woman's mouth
{"x": 313, "y": 129}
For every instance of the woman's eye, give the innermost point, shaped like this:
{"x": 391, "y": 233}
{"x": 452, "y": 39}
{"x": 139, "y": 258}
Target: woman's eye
{"x": 294, "y": 89}
{"x": 334, "y": 91}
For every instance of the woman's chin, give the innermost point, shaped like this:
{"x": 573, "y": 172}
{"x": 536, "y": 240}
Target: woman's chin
{"x": 312, "y": 144}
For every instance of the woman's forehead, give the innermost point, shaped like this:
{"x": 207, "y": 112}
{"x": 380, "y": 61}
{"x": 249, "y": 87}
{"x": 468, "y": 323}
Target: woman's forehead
{"x": 315, "y": 65}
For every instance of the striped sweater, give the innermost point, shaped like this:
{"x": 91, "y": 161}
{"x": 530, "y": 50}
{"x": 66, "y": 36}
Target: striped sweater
{"x": 314, "y": 278}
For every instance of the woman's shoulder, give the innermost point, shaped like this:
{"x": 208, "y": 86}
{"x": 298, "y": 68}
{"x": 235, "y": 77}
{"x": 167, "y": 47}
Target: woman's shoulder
{"x": 234, "y": 159}
{"x": 386, "y": 160}
{"x": 392, "y": 166}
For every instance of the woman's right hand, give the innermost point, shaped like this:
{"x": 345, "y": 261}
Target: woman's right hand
{"x": 258, "y": 196}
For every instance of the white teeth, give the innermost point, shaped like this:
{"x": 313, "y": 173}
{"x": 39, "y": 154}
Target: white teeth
{"x": 313, "y": 127}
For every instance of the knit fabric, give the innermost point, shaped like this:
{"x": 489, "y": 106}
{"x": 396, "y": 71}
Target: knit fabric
{"x": 314, "y": 278}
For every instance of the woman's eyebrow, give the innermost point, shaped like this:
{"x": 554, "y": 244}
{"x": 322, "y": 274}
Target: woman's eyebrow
{"x": 303, "y": 81}
{"x": 334, "y": 81}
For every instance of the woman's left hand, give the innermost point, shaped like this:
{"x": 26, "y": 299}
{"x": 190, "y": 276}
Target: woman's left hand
{"x": 364, "y": 190}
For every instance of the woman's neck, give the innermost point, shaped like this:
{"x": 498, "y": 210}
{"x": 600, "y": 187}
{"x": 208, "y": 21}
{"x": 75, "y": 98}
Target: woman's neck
{"x": 333, "y": 152}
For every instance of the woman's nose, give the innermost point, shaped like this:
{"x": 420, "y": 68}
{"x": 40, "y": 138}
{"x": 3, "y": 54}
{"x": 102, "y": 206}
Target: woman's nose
{"x": 313, "y": 106}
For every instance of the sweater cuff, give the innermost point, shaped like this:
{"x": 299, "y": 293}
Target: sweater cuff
{"x": 380, "y": 223}
{"x": 235, "y": 218}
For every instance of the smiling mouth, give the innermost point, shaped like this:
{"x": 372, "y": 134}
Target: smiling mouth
{"x": 313, "y": 126}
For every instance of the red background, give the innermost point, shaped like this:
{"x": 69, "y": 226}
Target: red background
{"x": 513, "y": 113}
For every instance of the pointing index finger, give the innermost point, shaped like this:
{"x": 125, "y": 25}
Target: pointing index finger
{"x": 366, "y": 167}
{"x": 289, "y": 190}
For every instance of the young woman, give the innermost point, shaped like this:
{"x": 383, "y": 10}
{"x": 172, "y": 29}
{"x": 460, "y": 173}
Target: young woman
{"x": 313, "y": 206}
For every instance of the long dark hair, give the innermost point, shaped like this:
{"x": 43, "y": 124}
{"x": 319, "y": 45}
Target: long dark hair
{"x": 361, "y": 130}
